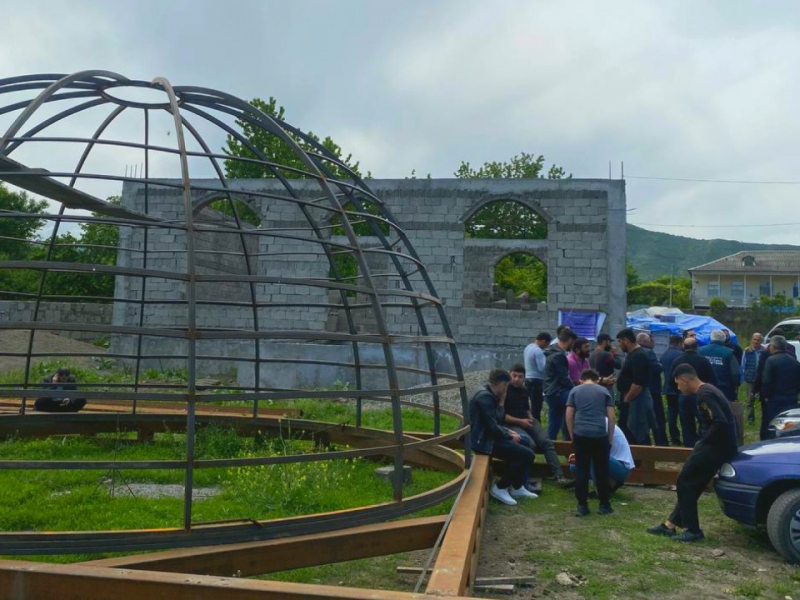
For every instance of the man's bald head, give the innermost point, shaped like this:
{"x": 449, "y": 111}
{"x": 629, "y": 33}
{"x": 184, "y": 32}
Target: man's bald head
{"x": 644, "y": 339}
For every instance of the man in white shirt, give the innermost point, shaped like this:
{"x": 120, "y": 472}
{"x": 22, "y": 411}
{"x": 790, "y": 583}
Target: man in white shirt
{"x": 620, "y": 461}
{"x": 534, "y": 372}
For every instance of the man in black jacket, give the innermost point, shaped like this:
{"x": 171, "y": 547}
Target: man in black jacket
{"x": 670, "y": 354}
{"x": 780, "y": 382}
{"x": 489, "y": 436}
{"x": 687, "y": 405}
{"x": 717, "y": 446}
{"x": 557, "y": 383}
{"x": 60, "y": 381}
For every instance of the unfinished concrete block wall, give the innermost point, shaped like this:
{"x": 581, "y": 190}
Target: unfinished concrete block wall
{"x": 584, "y": 253}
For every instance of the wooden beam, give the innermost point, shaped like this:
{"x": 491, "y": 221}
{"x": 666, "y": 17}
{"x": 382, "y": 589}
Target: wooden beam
{"x": 258, "y": 558}
{"x": 21, "y": 580}
{"x": 454, "y": 570}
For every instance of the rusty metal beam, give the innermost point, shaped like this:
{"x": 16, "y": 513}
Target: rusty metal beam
{"x": 39, "y": 581}
{"x": 455, "y": 567}
{"x": 259, "y": 558}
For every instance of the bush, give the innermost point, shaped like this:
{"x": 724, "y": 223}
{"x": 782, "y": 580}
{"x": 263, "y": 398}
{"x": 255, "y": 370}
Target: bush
{"x": 717, "y": 307}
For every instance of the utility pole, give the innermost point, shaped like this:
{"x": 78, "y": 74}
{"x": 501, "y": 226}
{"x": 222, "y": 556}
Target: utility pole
{"x": 671, "y": 278}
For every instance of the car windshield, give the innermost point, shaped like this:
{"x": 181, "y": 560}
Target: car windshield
{"x": 790, "y": 332}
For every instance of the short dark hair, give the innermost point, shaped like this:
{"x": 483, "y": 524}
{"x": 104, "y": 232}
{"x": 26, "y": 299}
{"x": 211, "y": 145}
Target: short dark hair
{"x": 627, "y": 334}
{"x": 777, "y": 331}
{"x": 499, "y": 376}
{"x": 62, "y": 372}
{"x": 590, "y": 374}
{"x": 545, "y": 336}
{"x": 561, "y": 328}
{"x": 687, "y": 332}
{"x": 517, "y": 368}
{"x": 684, "y": 370}
{"x": 603, "y": 337}
{"x": 567, "y": 335}
{"x": 579, "y": 342}
{"x": 675, "y": 340}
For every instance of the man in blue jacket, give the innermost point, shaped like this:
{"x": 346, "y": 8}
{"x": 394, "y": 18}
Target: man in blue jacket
{"x": 670, "y": 391}
{"x": 726, "y": 370}
{"x": 488, "y": 436}
{"x": 749, "y": 370}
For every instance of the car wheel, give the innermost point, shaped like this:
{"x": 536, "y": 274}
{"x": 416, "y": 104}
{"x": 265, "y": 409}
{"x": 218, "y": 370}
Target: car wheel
{"x": 783, "y": 525}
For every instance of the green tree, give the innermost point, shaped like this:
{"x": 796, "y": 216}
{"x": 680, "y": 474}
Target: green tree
{"x": 657, "y": 292}
{"x": 520, "y": 166}
{"x": 14, "y": 229}
{"x": 275, "y": 150}
{"x": 520, "y": 273}
{"x": 631, "y": 275}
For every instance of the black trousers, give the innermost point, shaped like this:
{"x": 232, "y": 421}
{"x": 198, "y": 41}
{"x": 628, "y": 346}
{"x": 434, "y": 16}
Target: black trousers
{"x": 591, "y": 452}
{"x": 517, "y": 457}
{"x": 536, "y": 392}
{"x": 661, "y": 421}
{"x": 697, "y": 472}
{"x": 55, "y": 405}
{"x": 672, "y": 418}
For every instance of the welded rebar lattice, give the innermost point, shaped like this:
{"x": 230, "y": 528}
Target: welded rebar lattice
{"x": 195, "y": 284}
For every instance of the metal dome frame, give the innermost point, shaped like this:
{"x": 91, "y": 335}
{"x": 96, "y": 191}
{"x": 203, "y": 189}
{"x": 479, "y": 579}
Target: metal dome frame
{"x": 348, "y": 200}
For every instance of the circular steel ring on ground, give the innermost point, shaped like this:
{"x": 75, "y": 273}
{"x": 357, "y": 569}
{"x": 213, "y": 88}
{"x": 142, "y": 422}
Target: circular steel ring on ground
{"x": 364, "y": 441}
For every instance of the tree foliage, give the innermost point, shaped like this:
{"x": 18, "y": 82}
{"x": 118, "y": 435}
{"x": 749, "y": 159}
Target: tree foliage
{"x": 276, "y": 150}
{"x": 657, "y": 292}
{"x": 18, "y": 228}
{"x": 520, "y": 166}
{"x": 520, "y": 273}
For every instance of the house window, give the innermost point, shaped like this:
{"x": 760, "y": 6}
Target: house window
{"x": 713, "y": 289}
{"x": 765, "y": 289}
{"x": 749, "y": 261}
{"x": 796, "y": 291}
{"x": 737, "y": 290}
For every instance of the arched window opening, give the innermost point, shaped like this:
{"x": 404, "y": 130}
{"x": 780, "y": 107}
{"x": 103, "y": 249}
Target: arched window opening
{"x": 520, "y": 277}
{"x": 507, "y": 220}
{"x": 245, "y": 211}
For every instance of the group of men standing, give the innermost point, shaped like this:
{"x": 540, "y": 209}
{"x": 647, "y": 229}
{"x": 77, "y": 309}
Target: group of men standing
{"x": 700, "y": 386}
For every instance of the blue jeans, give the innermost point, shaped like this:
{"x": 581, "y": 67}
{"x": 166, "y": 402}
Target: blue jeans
{"x": 556, "y": 410}
{"x": 616, "y": 471}
{"x": 687, "y": 410}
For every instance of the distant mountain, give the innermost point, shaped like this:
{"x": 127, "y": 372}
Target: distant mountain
{"x": 654, "y": 254}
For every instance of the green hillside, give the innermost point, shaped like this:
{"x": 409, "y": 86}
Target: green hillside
{"x": 653, "y": 254}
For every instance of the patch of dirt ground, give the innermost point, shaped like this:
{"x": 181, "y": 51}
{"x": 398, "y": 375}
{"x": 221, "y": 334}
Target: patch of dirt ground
{"x": 15, "y": 340}
{"x": 613, "y": 557}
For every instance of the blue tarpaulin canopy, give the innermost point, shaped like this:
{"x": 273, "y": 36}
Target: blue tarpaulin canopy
{"x": 677, "y": 324}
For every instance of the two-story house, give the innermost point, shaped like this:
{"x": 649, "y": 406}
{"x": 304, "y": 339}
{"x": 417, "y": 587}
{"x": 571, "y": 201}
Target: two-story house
{"x": 742, "y": 278}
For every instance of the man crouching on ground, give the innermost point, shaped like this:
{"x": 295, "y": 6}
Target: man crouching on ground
{"x": 717, "y": 446}
{"x": 489, "y": 437}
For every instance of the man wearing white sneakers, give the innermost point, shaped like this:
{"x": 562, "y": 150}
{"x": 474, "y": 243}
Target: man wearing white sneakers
{"x": 488, "y": 436}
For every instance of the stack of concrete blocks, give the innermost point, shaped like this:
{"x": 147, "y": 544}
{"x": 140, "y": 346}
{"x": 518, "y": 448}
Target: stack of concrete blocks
{"x": 584, "y": 252}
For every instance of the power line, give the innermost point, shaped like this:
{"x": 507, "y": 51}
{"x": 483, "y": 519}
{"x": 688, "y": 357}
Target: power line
{"x": 741, "y": 181}
{"x": 753, "y": 225}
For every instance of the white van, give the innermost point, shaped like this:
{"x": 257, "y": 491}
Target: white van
{"x": 791, "y": 330}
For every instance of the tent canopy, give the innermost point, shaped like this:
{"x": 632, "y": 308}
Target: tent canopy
{"x": 676, "y": 324}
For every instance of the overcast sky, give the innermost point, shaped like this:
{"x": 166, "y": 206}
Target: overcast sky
{"x": 681, "y": 90}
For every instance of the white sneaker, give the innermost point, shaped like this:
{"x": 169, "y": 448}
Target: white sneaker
{"x": 502, "y": 495}
{"x": 521, "y": 492}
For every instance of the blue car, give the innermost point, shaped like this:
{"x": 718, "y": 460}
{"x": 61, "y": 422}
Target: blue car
{"x": 761, "y": 486}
